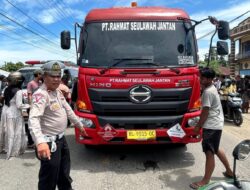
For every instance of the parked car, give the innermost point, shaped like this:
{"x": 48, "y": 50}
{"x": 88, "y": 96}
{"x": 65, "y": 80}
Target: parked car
{"x": 28, "y": 73}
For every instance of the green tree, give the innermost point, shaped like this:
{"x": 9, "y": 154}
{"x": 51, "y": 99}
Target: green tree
{"x": 213, "y": 64}
{"x": 213, "y": 55}
{"x": 222, "y": 61}
{"x": 10, "y": 66}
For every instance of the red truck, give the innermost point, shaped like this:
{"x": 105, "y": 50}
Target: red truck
{"x": 138, "y": 79}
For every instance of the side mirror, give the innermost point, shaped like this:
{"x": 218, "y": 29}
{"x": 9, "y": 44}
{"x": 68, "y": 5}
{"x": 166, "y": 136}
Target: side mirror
{"x": 65, "y": 39}
{"x": 223, "y": 30}
{"x": 222, "y": 48}
{"x": 242, "y": 150}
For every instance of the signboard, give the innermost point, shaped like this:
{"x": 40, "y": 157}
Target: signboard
{"x": 176, "y": 131}
{"x": 107, "y": 132}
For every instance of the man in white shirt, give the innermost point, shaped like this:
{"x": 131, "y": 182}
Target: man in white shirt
{"x": 212, "y": 122}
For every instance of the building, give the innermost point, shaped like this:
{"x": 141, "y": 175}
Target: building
{"x": 240, "y": 49}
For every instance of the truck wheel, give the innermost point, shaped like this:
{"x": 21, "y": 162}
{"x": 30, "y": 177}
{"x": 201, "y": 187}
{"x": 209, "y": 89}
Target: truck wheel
{"x": 89, "y": 147}
{"x": 181, "y": 144}
{"x": 237, "y": 118}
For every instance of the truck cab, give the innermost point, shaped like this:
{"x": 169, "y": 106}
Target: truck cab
{"x": 138, "y": 79}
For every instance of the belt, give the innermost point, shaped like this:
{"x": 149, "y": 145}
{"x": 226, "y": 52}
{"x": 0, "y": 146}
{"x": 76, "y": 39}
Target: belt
{"x": 52, "y": 139}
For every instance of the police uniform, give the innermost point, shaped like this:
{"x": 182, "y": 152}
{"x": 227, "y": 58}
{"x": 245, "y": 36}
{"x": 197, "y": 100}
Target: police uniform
{"x": 47, "y": 123}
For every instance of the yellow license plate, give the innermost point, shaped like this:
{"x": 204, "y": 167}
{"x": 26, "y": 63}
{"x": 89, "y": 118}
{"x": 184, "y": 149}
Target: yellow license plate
{"x": 141, "y": 134}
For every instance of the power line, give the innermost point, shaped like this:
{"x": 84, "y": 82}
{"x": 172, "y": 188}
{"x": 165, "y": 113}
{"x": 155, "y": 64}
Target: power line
{"x": 33, "y": 32}
{"x": 69, "y": 10}
{"x": 48, "y": 3}
{"x": 239, "y": 16}
{"x": 31, "y": 18}
{"x": 24, "y": 37}
{"x": 20, "y": 35}
{"x": 58, "y": 16}
{"x": 31, "y": 44}
{"x": 205, "y": 35}
{"x": 61, "y": 11}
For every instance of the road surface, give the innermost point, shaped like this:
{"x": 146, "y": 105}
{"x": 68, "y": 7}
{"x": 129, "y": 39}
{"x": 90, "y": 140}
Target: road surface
{"x": 129, "y": 167}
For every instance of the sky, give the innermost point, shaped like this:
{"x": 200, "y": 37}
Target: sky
{"x": 30, "y": 29}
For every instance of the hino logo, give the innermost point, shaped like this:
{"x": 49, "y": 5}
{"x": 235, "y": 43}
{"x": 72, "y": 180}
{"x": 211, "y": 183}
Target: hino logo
{"x": 140, "y": 94}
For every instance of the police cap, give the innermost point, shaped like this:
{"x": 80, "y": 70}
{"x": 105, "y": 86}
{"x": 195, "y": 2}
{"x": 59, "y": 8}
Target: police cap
{"x": 53, "y": 68}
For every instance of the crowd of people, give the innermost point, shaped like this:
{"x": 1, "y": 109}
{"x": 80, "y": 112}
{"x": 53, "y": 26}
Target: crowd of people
{"x": 12, "y": 131}
{"x": 15, "y": 135}
{"x": 239, "y": 84}
{"x": 39, "y": 122}
{"x": 48, "y": 111}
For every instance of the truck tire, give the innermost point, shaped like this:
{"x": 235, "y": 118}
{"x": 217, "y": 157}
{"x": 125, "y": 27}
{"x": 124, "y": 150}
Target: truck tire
{"x": 181, "y": 144}
{"x": 89, "y": 146}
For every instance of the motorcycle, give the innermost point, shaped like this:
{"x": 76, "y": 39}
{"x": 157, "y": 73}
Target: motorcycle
{"x": 233, "y": 109}
{"x": 240, "y": 152}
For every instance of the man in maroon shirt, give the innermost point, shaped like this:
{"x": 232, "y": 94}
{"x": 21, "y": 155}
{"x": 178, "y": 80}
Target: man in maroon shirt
{"x": 34, "y": 84}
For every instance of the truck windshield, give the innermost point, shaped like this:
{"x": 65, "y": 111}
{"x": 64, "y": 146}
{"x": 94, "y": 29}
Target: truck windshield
{"x": 166, "y": 43}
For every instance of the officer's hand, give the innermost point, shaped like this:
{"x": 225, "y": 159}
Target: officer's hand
{"x": 83, "y": 131}
{"x": 43, "y": 151}
{"x": 197, "y": 130}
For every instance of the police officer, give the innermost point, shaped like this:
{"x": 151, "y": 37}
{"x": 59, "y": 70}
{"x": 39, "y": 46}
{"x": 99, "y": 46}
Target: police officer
{"x": 47, "y": 123}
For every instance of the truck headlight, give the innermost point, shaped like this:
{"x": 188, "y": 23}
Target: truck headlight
{"x": 81, "y": 106}
{"x": 192, "y": 122}
{"x": 87, "y": 122}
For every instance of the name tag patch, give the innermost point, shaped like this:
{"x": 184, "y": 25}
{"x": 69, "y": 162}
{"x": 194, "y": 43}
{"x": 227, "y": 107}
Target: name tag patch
{"x": 54, "y": 106}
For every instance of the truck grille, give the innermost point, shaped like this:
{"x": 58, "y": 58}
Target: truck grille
{"x": 116, "y": 102}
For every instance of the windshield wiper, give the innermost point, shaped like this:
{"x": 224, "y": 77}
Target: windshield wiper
{"x": 173, "y": 69}
{"x": 176, "y": 70}
{"x": 147, "y": 63}
{"x": 120, "y": 60}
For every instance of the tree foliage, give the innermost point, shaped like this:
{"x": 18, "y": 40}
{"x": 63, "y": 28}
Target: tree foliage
{"x": 216, "y": 64}
{"x": 223, "y": 61}
{"x": 213, "y": 64}
{"x": 10, "y": 66}
{"x": 216, "y": 61}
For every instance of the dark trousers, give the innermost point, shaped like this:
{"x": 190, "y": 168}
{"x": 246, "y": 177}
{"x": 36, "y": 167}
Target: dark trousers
{"x": 56, "y": 171}
{"x": 224, "y": 106}
{"x": 30, "y": 140}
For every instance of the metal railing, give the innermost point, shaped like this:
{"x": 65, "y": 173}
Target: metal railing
{"x": 245, "y": 55}
{"x": 240, "y": 29}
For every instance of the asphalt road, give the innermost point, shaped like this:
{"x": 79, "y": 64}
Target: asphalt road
{"x": 129, "y": 167}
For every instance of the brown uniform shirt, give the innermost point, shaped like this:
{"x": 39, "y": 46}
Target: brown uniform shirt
{"x": 49, "y": 113}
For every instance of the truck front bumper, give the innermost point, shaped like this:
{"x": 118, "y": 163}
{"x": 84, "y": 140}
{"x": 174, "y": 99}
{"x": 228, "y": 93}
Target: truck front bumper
{"x": 97, "y": 136}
